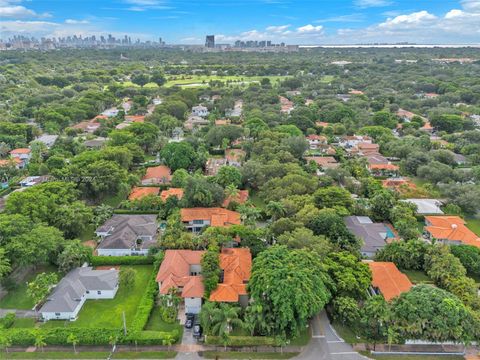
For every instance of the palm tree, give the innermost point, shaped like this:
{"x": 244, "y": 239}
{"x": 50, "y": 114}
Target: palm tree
{"x": 231, "y": 191}
{"x": 40, "y": 340}
{"x": 72, "y": 339}
{"x": 206, "y": 316}
{"x": 168, "y": 340}
{"x": 275, "y": 210}
{"x": 255, "y": 319}
{"x": 249, "y": 214}
{"x": 224, "y": 318}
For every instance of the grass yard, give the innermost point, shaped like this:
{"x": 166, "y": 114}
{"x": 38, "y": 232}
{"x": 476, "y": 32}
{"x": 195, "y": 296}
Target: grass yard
{"x": 474, "y": 225}
{"x": 203, "y": 80}
{"x": 412, "y": 357}
{"x": 17, "y": 298}
{"x": 88, "y": 233}
{"x": 247, "y": 355}
{"x": 303, "y": 338}
{"x": 24, "y": 323}
{"x": 156, "y": 323}
{"x": 417, "y": 277}
{"x": 89, "y": 355}
{"x": 327, "y": 79}
{"x": 347, "y": 334}
{"x": 115, "y": 200}
{"x": 107, "y": 313}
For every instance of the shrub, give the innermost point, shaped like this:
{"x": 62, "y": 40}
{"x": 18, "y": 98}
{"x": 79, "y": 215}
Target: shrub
{"x": 121, "y": 260}
{"x": 241, "y": 341}
{"x": 7, "y": 321}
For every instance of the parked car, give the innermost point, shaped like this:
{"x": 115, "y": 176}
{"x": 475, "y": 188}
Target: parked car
{"x": 189, "y": 321}
{"x": 197, "y": 331}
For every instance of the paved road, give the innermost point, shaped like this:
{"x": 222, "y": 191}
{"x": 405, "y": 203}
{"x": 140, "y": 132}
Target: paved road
{"x": 326, "y": 344}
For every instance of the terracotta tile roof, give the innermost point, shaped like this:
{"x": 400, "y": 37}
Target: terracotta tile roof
{"x": 451, "y": 228}
{"x": 356, "y": 92}
{"x": 322, "y": 124}
{"x": 314, "y": 137}
{"x": 323, "y": 161}
{"x": 427, "y": 126}
{"x": 388, "y": 279}
{"x": 7, "y": 162}
{"x": 397, "y": 183}
{"x": 20, "y": 151}
{"x": 240, "y": 198}
{"x": 175, "y": 272}
{"x": 236, "y": 264}
{"x": 220, "y": 122}
{"x": 383, "y": 167}
{"x": 165, "y": 194}
{"x": 217, "y": 216}
{"x": 158, "y": 172}
{"x": 140, "y": 192}
{"x": 135, "y": 118}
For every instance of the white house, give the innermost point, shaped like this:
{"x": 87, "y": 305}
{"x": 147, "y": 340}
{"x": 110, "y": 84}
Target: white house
{"x": 200, "y": 110}
{"x": 79, "y": 285}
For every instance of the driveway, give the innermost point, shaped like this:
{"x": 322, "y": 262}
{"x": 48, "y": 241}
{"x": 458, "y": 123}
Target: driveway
{"x": 326, "y": 344}
{"x": 19, "y": 313}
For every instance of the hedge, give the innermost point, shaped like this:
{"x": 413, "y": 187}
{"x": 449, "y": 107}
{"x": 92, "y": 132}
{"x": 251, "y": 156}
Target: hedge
{"x": 241, "y": 341}
{"x": 135, "y": 212}
{"x": 121, "y": 260}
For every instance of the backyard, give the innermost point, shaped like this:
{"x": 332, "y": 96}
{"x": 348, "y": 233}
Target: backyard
{"x": 17, "y": 297}
{"x": 107, "y": 313}
{"x": 156, "y": 323}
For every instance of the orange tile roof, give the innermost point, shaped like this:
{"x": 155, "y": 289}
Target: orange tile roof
{"x": 240, "y": 198}
{"x": 314, "y": 137}
{"x": 397, "y": 183}
{"x": 427, "y": 126}
{"x": 356, "y": 92}
{"x": 175, "y": 272}
{"x": 165, "y": 194}
{"x": 383, "y": 167}
{"x": 220, "y": 122}
{"x": 158, "y": 172}
{"x": 451, "y": 228}
{"x": 217, "y": 216}
{"x": 236, "y": 264}
{"x": 388, "y": 279}
{"x": 135, "y": 118}
{"x": 140, "y": 192}
{"x": 322, "y": 124}
{"x": 20, "y": 151}
{"x": 322, "y": 160}
{"x": 7, "y": 162}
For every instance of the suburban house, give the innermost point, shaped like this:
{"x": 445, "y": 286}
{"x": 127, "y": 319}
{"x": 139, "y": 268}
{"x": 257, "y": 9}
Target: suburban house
{"x": 79, "y": 285}
{"x": 398, "y": 184}
{"x": 89, "y": 126}
{"x": 157, "y": 175}
{"x": 47, "y": 140}
{"x": 140, "y": 192}
{"x": 235, "y": 157}
{"x": 236, "y": 265}
{"x": 213, "y": 165}
{"x": 240, "y": 198}
{"x": 16, "y": 162}
{"x": 322, "y": 124}
{"x": 351, "y": 141}
{"x": 450, "y": 230}
{"x": 383, "y": 169}
{"x": 96, "y": 143}
{"x": 222, "y": 122}
{"x": 426, "y": 206}
{"x": 195, "y": 219}
{"x": 200, "y": 110}
{"x": 427, "y": 127}
{"x": 124, "y": 235}
{"x": 286, "y": 106}
{"x": 194, "y": 121}
{"x": 181, "y": 270}
{"x": 323, "y": 162}
{"x": 22, "y": 154}
{"x": 177, "y": 192}
{"x": 34, "y": 180}
{"x": 387, "y": 280}
{"x": 315, "y": 141}
{"x": 374, "y": 235}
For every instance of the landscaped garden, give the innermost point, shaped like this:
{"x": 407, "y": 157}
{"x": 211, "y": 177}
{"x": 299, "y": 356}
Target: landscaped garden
{"x": 107, "y": 313}
{"x": 156, "y": 323}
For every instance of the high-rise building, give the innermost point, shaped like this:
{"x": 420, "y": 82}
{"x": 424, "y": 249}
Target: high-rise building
{"x": 210, "y": 41}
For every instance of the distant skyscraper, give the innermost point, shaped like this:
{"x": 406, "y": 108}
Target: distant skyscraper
{"x": 210, "y": 41}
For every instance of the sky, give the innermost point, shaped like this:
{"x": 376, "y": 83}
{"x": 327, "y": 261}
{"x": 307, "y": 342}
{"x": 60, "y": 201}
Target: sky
{"x": 304, "y": 22}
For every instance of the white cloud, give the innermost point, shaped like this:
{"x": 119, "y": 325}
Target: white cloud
{"x": 10, "y": 9}
{"x": 414, "y": 19}
{"x": 371, "y": 3}
{"x": 143, "y": 5}
{"x": 471, "y": 5}
{"x": 73, "y": 21}
{"x": 310, "y": 29}
{"x": 343, "y": 18}
{"x": 277, "y": 29}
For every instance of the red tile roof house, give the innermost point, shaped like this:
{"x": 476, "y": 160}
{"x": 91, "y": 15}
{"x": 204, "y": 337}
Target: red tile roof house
{"x": 177, "y": 192}
{"x": 381, "y": 170}
{"x": 181, "y": 270}
{"x": 387, "y": 280}
{"x": 22, "y": 154}
{"x": 324, "y": 162}
{"x": 195, "y": 219}
{"x": 450, "y": 230}
{"x": 157, "y": 175}
{"x": 240, "y": 198}
{"x": 12, "y": 162}
{"x": 140, "y": 192}
{"x": 315, "y": 141}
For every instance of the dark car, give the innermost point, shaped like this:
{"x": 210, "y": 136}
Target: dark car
{"x": 197, "y": 331}
{"x": 189, "y": 321}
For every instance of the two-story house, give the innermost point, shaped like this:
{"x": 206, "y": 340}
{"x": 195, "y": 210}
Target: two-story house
{"x": 195, "y": 219}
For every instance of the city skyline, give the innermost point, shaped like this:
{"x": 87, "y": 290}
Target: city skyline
{"x": 303, "y": 22}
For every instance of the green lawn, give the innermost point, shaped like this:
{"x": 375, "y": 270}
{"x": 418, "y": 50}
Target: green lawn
{"x": 417, "y": 277}
{"x": 88, "y": 233}
{"x": 203, "y": 80}
{"x": 156, "y": 323}
{"x": 89, "y": 355}
{"x": 412, "y": 357}
{"x": 24, "y": 323}
{"x": 347, "y": 334}
{"x": 107, "y": 313}
{"x": 257, "y": 200}
{"x": 17, "y": 298}
{"x": 474, "y": 225}
{"x": 247, "y": 355}
{"x": 115, "y": 200}
{"x": 302, "y": 339}
{"x": 327, "y": 79}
